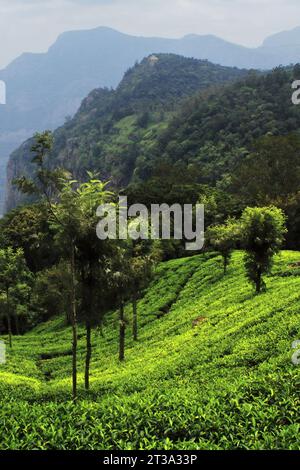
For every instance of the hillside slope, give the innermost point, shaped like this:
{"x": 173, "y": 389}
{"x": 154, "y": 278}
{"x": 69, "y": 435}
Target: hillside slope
{"x": 211, "y": 370}
{"x": 44, "y": 88}
{"x": 154, "y": 124}
{"x": 114, "y": 127}
{"x": 213, "y": 131}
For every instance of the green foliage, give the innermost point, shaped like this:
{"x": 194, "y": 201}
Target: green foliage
{"x": 271, "y": 175}
{"x": 27, "y": 228}
{"x": 213, "y": 131}
{"x": 223, "y": 238}
{"x": 51, "y": 292}
{"x": 14, "y": 286}
{"x": 45, "y": 182}
{"x": 212, "y": 368}
{"x": 114, "y": 131}
{"x": 213, "y": 372}
{"x": 271, "y": 172}
{"x": 262, "y": 231}
{"x": 157, "y": 136}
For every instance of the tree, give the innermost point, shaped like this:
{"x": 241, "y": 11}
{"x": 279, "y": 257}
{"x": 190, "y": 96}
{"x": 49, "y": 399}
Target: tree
{"x": 141, "y": 261}
{"x": 66, "y": 221}
{"x": 141, "y": 273}
{"x": 120, "y": 286}
{"x": 45, "y": 181}
{"x": 51, "y": 295}
{"x": 262, "y": 231}
{"x": 28, "y": 228}
{"x": 223, "y": 238}
{"x": 94, "y": 304}
{"x": 143, "y": 120}
{"x": 92, "y": 258}
{"x": 270, "y": 175}
{"x": 72, "y": 217}
{"x": 13, "y": 272}
{"x": 74, "y": 220}
{"x": 131, "y": 272}
{"x": 270, "y": 172}
{"x": 48, "y": 184}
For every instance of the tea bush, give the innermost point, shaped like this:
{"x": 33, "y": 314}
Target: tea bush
{"x": 212, "y": 370}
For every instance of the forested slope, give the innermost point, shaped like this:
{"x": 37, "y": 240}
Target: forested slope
{"x": 113, "y": 128}
{"x": 215, "y": 130}
{"x": 159, "y": 122}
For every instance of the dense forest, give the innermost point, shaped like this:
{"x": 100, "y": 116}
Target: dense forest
{"x": 151, "y": 138}
{"x": 114, "y": 128}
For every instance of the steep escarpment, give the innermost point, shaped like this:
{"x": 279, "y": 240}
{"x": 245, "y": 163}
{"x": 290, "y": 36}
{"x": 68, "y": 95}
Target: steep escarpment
{"x": 115, "y": 128}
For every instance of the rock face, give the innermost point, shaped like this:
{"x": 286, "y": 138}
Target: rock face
{"x": 15, "y": 166}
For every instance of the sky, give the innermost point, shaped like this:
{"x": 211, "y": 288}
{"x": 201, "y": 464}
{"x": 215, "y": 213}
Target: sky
{"x": 33, "y": 25}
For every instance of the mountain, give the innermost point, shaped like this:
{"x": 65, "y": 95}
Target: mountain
{"x": 114, "y": 127}
{"x": 175, "y": 126}
{"x": 177, "y": 111}
{"x": 212, "y": 131}
{"x": 283, "y": 39}
{"x": 212, "y": 369}
{"x": 283, "y": 48}
{"x": 42, "y": 89}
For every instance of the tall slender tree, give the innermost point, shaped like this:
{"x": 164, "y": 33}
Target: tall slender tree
{"x": 119, "y": 281}
{"x": 93, "y": 257}
{"x": 13, "y": 271}
{"x": 50, "y": 185}
{"x": 141, "y": 271}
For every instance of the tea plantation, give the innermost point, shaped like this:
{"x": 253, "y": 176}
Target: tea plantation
{"x": 212, "y": 368}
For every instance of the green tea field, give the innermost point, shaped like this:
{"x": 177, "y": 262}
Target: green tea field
{"x": 212, "y": 368}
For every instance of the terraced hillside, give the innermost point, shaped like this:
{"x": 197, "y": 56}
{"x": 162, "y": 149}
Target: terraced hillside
{"x": 211, "y": 370}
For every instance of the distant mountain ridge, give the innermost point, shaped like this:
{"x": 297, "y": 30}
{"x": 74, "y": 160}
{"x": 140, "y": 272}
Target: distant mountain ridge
{"x": 42, "y": 89}
{"x": 284, "y": 38}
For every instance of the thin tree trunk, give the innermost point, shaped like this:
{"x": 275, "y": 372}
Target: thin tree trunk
{"x": 17, "y": 324}
{"x": 258, "y": 282}
{"x": 8, "y": 320}
{"x": 9, "y": 330}
{"x": 122, "y": 333}
{"x": 225, "y": 265}
{"x": 88, "y": 354}
{"x": 258, "y": 285}
{"x": 134, "y": 318}
{"x": 88, "y": 297}
{"x": 226, "y": 259}
{"x": 74, "y": 324}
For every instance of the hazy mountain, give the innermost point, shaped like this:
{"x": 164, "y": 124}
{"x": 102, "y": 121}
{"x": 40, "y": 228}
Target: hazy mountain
{"x": 282, "y": 48}
{"x": 42, "y": 89}
{"x": 284, "y": 39}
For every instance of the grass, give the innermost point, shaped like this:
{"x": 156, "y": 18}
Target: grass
{"x": 211, "y": 370}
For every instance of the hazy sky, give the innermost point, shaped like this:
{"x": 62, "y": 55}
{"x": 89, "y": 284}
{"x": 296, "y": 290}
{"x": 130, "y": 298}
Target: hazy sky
{"x": 33, "y": 25}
